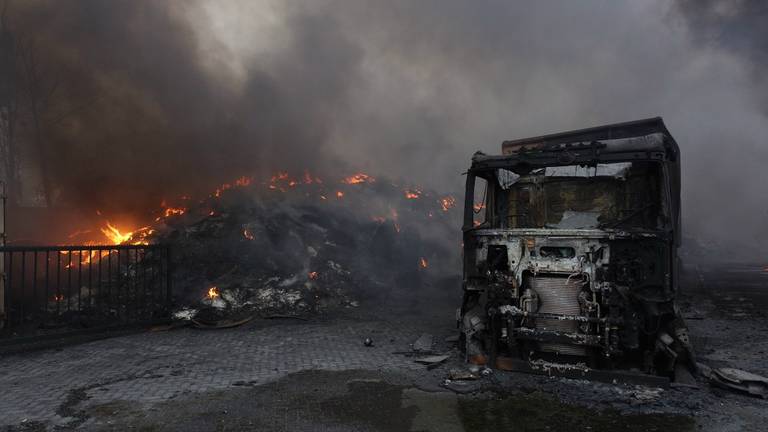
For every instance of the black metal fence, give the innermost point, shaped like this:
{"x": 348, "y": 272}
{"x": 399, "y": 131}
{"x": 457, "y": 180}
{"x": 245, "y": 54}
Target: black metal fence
{"x": 74, "y": 287}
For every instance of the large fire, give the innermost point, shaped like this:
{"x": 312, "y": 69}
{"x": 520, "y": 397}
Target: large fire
{"x": 136, "y": 237}
{"x": 119, "y": 234}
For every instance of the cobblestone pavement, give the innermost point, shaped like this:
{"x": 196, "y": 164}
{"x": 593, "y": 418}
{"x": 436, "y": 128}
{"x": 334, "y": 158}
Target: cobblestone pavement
{"x": 49, "y": 386}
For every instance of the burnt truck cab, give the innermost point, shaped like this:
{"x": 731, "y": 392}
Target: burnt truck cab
{"x": 570, "y": 251}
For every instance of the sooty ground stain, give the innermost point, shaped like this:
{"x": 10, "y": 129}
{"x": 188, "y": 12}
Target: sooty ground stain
{"x": 367, "y": 401}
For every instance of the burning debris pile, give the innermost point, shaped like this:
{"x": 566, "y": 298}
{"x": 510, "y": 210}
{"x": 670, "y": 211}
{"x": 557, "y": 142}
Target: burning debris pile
{"x": 302, "y": 245}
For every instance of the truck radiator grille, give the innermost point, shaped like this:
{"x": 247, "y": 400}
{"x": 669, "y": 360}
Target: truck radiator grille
{"x": 558, "y": 295}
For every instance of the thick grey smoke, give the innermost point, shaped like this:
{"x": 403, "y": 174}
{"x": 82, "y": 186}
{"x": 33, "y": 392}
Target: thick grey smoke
{"x": 734, "y": 26}
{"x": 191, "y": 92}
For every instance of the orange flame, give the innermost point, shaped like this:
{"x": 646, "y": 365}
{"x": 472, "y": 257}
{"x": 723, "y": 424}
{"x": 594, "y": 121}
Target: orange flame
{"x": 247, "y": 234}
{"x": 423, "y": 263}
{"x": 213, "y": 292}
{"x": 137, "y": 237}
{"x": 479, "y": 206}
{"x": 339, "y": 194}
{"x": 114, "y": 235}
{"x": 313, "y": 275}
{"x": 358, "y": 178}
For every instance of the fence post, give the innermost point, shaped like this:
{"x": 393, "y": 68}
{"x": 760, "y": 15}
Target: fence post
{"x": 3, "y": 293}
{"x": 168, "y": 278}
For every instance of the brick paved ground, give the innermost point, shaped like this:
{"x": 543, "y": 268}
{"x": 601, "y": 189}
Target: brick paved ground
{"x": 111, "y": 384}
{"x": 50, "y": 386}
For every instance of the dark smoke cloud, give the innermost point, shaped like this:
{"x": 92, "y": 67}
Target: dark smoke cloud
{"x": 144, "y": 121}
{"x": 190, "y": 93}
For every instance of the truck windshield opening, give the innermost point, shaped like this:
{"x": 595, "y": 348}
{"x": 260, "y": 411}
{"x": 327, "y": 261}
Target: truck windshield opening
{"x": 619, "y": 195}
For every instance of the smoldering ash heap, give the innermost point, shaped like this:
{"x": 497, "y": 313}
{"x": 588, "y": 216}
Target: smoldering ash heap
{"x": 296, "y": 244}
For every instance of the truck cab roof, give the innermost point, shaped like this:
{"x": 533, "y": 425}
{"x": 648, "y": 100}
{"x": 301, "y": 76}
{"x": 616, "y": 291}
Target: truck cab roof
{"x": 646, "y": 139}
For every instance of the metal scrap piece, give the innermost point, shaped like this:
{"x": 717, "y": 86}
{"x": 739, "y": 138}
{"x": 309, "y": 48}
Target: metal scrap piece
{"x": 424, "y": 343}
{"x": 432, "y": 361}
{"x": 743, "y": 381}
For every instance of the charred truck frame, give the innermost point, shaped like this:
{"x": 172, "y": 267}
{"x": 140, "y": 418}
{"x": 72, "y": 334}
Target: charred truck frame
{"x": 570, "y": 251}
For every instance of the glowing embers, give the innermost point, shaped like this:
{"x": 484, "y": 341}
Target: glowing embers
{"x": 447, "y": 203}
{"x": 413, "y": 193}
{"x": 238, "y": 183}
{"x": 358, "y": 178}
{"x": 170, "y": 211}
{"x": 282, "y": 181}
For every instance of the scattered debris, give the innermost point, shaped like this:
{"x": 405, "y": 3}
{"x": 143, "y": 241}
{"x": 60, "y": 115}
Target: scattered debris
{"x": 424, "y": 343}
{"x": 452, "y": 338}
{"x": 738, "y": 380}
{"x": 684, "y": 378}
{"x": 433, "y": 361}
{"x": 185, "y": 314}
{"x": 461, "y": 375}
{"x": 221, "y": 324}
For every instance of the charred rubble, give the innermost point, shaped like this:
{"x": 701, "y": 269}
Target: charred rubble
{"x": 303, "y": 246}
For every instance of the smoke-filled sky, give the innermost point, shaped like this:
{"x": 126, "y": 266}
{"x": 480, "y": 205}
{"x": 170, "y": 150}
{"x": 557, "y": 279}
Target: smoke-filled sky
{"x": 165, "y": 96}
